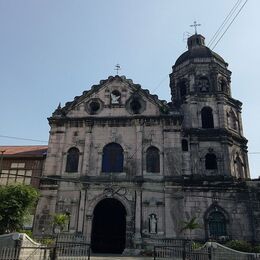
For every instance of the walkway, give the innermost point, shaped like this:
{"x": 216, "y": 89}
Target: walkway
{"x": 118, "y": 257}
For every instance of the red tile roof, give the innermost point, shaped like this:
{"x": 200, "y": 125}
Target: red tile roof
{"x": 38, "y": 150}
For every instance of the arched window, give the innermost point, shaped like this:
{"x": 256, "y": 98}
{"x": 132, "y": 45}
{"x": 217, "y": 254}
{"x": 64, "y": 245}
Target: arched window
{"x": 152, "y": 159}
{"x": 217, "y": 224}
{"x": 232, "y": 120}
{"x": 113, "y": 158}
{"x": 184, "y": 145}
{"x": 207, "y": 117}
{"x": 222, "y": 84}
{"x": 211, "y": 161}
{"x": 183, "y": 88}
{"x": 72, "y": 160}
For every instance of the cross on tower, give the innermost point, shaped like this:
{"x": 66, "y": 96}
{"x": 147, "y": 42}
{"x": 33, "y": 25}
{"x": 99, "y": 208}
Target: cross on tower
{"x": 117, "y": 68}
{"x": 195, "y": 24}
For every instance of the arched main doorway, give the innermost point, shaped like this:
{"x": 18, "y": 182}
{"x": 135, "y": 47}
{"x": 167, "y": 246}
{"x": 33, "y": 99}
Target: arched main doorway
{"x": 108, "y": 227}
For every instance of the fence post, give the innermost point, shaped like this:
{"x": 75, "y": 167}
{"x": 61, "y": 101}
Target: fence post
{"x": 88, "y": 252}
{"x": 210, "y": 252}
{"x": 154, "y": 256}
{"x": 54, "y": 252}
{"x": 45, "y": 254}
{"x": 183, "y": 249}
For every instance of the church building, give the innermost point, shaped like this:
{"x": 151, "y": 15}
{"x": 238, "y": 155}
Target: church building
{"x": 128, "y": 168}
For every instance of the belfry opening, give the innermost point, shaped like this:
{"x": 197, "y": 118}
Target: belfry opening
{"x": 109, "y": 227}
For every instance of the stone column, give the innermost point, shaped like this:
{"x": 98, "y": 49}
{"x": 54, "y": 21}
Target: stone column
{"x": 53, "y": 165}
{"x": 129, "y": 232}
{"x": 89, "y": 219}
{"x": 139, "y": 149}
{"x": 87, "y": 151}
{"x": 186, "y": 163}
{"x": 81, "y": 211}
{"x": 168, "y": 223}
{"x": 138, "y": 219}
{"x": 194, "y": 157}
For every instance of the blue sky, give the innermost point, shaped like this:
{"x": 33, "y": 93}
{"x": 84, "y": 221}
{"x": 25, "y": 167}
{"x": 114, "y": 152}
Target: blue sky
{"x": 51, "y": 51}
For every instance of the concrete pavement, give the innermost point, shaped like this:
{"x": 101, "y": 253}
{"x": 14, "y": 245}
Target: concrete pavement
{"x": 119, "y": 257}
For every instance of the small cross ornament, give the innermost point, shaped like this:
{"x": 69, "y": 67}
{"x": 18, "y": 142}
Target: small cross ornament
{"x": 117, "y": 68}
{"x": 195, "y": 25}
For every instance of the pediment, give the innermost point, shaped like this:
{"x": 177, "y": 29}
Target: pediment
{"x": 115, "y": 96}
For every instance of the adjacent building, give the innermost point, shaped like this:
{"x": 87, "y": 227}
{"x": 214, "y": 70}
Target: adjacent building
{"x": 22, "y": 164}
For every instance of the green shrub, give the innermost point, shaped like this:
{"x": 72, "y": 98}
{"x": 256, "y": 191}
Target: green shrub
{"x": 256, "y": 249}
{"x": 196, "y": 245}
{"x": 239, "y": 245}
{"x": 48, "y": 241}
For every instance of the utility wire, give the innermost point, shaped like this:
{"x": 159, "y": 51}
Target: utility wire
{"x": 230, "y": 24}
{"x": 22, "y": 138}
{"x": 159, "y": 84}
{"x": 37, "y": 140}
{"x": 224, "y": 23}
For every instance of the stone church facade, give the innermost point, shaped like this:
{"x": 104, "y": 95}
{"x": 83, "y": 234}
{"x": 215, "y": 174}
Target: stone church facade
{"x": 128, "y": 169}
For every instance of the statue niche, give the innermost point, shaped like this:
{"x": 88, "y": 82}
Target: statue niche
{"x": 152, "y": 224}
{"x": 203, "y": 84}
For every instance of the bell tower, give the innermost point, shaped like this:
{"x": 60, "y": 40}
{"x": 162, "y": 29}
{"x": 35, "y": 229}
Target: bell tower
{"x": 200, "y": 85}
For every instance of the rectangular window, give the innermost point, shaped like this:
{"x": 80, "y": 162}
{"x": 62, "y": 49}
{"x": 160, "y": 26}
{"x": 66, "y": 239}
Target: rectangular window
{"x": 4, "y": 176}
{"x": 14, "y": 165}
{"x": 17, "y": 165}
{"x": 16, "y": 174}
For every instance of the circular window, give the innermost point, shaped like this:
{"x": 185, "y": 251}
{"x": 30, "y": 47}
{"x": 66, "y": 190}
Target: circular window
{"x": 94, "y": 106}
{"x": 135, "y": 106}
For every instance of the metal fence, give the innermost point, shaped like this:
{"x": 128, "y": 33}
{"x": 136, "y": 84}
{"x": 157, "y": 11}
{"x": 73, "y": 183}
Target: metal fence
{"x": 7, "y": 253}
{"x": 25, "y": 253}
{"x": 210, "y": 251}
{"x": 67, "y": 247}
{"x": 220, "y": 252}
{"x": 71, "y": 247}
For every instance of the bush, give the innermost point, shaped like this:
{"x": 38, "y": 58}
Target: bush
{"x": 240, "y": 245}
{"x": 256, "y": 249}
{"x": 47, "y": 241}
{"x": 196, "y": 245}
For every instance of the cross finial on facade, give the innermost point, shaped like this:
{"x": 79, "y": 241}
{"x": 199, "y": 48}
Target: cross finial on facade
{"x": 195, "y": 25}
{"x": 117, "y": 68}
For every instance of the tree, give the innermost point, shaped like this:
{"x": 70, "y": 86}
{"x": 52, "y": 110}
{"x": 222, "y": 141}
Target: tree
{"x": 190, "y": 225}
{"x": 15, "y": 206}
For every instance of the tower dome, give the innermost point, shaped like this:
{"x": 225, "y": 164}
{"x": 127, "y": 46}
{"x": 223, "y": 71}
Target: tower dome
{"x": 198, "y": 50}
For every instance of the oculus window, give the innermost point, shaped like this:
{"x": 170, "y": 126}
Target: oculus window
{"x": 94, "y": 106}
{"x": 135, "y": 105}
